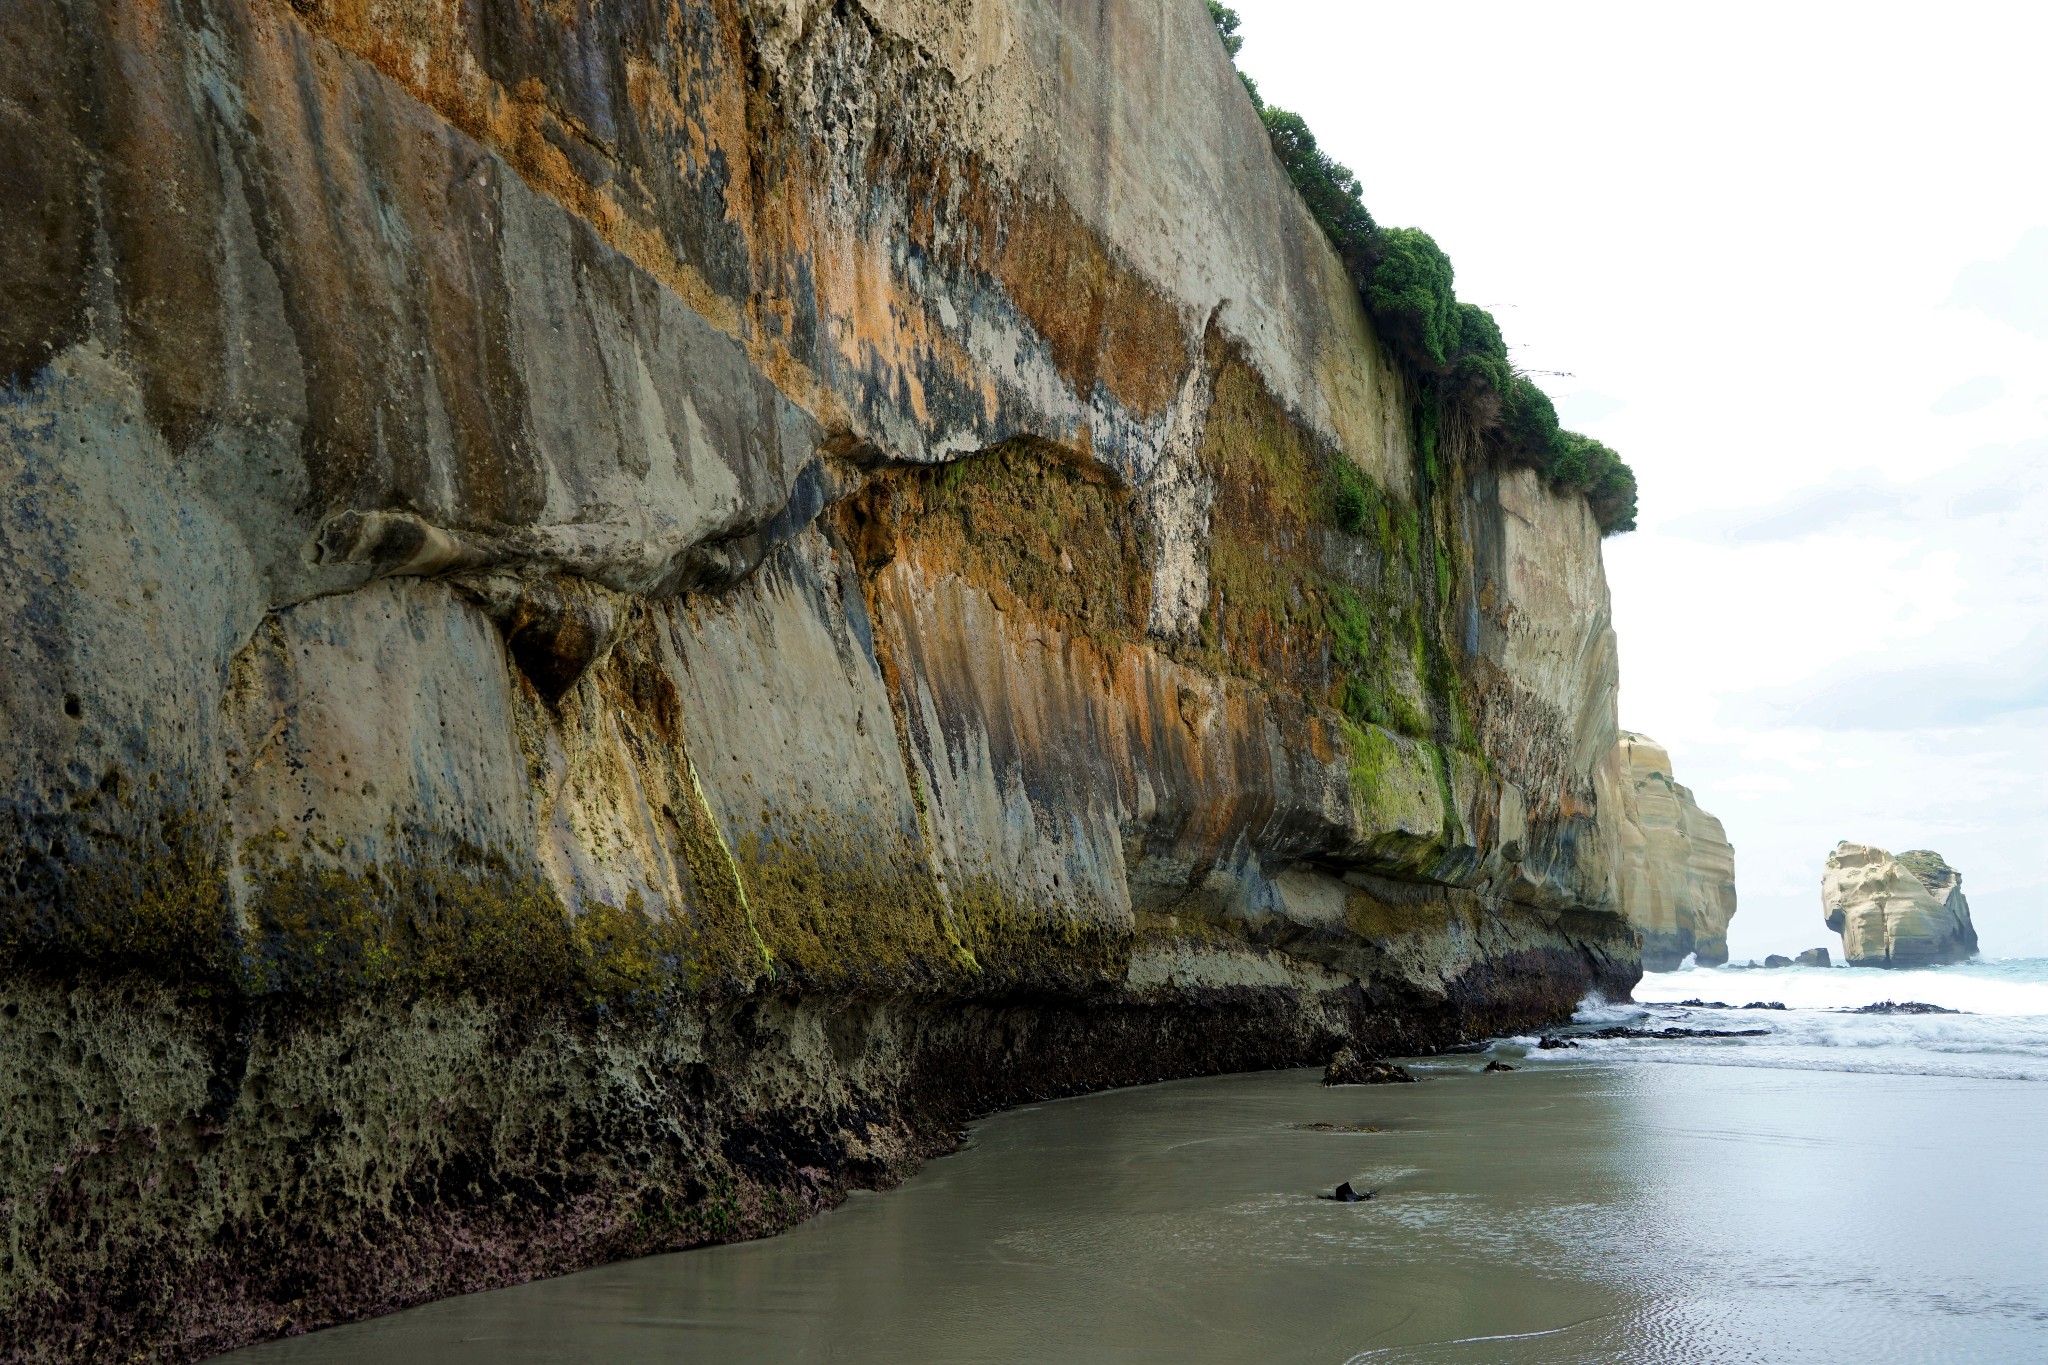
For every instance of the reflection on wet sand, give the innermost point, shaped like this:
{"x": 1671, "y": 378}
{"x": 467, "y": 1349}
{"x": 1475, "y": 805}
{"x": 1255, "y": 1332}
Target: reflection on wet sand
{"x": 1568, "y": 1212}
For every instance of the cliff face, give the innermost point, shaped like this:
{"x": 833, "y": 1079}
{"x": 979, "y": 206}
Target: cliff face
{"x": 1677, "y": 870}
{"x": 1907, "y": 911}
{"x": 616, "y": 613}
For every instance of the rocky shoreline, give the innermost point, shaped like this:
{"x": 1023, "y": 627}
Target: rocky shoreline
{"x": 308, "y": 1167}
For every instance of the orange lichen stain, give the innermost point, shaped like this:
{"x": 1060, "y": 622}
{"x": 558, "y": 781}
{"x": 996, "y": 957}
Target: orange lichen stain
{"x": 869, "y": 318}
{"x": 878, "y": 324}
{"x": 1102, "y": 321}
{"x": 425, "y": 49}
{"x": 1099, "y": 719}
{"x": 1322, "y": 744}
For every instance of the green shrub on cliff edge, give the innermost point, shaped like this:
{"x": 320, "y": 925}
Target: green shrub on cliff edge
{"x": 1226, "y": 21}
{"x": 1482, "y": 353}
{"x": 1527, "y": 416}
{"x": 1410, "y": 287}
{"x": 1331, "y": 191}
{"x": 1456, "y": 349}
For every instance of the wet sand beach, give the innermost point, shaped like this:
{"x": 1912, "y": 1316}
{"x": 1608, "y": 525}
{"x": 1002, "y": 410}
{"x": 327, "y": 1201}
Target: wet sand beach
{"x": 1592, "y": 1205}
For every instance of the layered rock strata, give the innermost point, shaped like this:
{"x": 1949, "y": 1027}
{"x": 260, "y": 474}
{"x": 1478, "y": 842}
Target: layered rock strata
{"x": 618, "y": 614}
{"x": 1907, "y": 911}
{"x": 1677, "y": 869}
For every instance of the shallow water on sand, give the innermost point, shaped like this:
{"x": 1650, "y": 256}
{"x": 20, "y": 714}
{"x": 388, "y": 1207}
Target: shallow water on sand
{"x": 1597, "y": 1204}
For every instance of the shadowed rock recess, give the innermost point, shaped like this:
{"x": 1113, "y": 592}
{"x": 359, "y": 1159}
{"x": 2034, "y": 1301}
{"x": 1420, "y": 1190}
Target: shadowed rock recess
{"x": 617, "y": 614}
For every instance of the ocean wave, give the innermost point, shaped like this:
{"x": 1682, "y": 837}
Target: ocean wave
{"x": 1999, "y": 1033}
{"x": 2010, "y": 986}
{"x": 1788, "y": 1060}
{"x": 1596, "y": 1009}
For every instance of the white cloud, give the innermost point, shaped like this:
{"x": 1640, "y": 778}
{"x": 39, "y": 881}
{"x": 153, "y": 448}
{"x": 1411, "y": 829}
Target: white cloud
{"x": 2007, "y": 483}
{"x": 1883, "y": 691}
{"x": 2013, "y": 290}
{"x": 1586, "y": 407}
{"x": 1969, "y": 396}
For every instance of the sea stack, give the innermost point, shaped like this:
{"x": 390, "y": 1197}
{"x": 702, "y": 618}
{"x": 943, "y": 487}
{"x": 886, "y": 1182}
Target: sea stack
{"x": 1677, "y": 869}
{"x": 1907, "y": 911}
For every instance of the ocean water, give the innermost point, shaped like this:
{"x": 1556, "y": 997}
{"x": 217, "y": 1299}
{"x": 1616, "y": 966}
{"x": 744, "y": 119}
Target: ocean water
{"x": 1843, "y": 1188}
{"x": 2000, "y": 1032}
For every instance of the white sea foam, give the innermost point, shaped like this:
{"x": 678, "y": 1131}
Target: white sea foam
{"x": 2007, "y": 986}
{"x": 2002, "y": 1033}
{"x": 1596, "y": 1009}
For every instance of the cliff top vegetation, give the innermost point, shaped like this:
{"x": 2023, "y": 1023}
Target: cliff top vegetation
{"x": 1456, "y": 349}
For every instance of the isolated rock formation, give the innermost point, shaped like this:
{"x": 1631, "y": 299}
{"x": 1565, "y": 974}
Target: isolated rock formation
{"x": 1813, "y": 957}
{"x": 1677, "y": 869}
{"x": 1907, "y": 911}
{"x": 616, "y": 614}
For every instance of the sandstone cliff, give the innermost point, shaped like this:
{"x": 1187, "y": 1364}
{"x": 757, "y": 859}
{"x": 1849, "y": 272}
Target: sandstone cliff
{"x": 616, "y": 613}
{"x": 1907, "y": 911}
{"x": 1677, "y": 870}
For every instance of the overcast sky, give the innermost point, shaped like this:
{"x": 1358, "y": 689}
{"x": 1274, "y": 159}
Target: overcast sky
{"x": 1795, "y": 261}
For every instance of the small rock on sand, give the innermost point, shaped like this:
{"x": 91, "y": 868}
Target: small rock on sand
{"x": 1350, "y": 1067}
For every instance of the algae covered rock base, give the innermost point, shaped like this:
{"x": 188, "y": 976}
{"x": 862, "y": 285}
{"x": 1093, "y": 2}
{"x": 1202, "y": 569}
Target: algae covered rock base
{"x": 617, "y": 615}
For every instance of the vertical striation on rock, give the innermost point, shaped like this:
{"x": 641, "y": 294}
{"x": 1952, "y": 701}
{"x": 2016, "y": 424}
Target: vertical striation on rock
{"x": 1904, "y": 911}
{"x": 615, "y": 614}
{"x": 1677, "y": 869}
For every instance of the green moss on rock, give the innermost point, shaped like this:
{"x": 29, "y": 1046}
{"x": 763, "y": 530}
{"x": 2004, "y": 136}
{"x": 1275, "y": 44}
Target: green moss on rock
{"x": 156, "y": 899}
{"x": 1047, "y": 533}
{"x": 459, "y": 919}
{"x": 1408, "y": 285}
{"x": 1400, "y": 794}
{"x": 1020, "y": 945}
{"x": 838, "y": 912}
